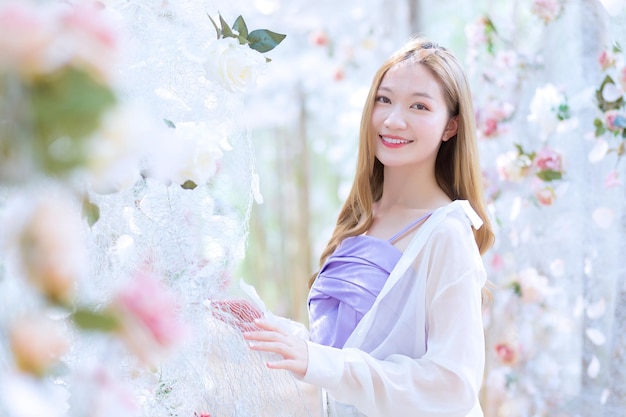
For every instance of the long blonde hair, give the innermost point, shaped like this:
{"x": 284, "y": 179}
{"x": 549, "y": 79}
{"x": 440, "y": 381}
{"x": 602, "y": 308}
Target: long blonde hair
{"x": 457, "y": 167}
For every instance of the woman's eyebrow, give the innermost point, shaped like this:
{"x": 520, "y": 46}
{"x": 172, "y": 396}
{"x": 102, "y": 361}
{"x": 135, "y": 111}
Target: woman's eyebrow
{"x": 416, "y": 93}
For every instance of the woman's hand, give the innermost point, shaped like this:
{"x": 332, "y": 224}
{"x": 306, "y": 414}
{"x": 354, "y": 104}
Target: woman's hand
{"x": 236, "y": 312}
{"x": 293, "y": 349}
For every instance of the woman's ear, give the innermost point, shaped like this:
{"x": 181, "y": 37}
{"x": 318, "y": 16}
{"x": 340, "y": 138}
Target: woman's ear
{"x": 451, "y": 129}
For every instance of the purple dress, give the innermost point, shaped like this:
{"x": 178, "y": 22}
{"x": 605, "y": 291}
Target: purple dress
{"x": 348, "y": 284}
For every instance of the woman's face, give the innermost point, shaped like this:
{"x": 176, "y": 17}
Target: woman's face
{"x": 410, "y": 117}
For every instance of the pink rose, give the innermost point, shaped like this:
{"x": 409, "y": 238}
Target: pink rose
{"x": 545, "y": 196}
{"x": 609, "y": 120}
{"x": 622, "y": 77}
{"x": 548, "y": 159}
{"x": 606, "y": 59}
{"x": 507, "y": 354}
{"x": 490, "y": 127}
{"x": 148, "y": 314}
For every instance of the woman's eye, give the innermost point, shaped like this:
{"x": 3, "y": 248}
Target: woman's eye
{"x": 419, "y": 106}
{"x": 382, "y": 99}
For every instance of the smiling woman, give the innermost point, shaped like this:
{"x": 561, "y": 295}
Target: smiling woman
{"x": 398, "y": 294}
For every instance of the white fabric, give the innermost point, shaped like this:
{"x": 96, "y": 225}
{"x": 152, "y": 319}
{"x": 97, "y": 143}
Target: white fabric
{"x": 420, "y": 350}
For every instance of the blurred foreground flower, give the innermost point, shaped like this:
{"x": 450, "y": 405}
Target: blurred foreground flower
{"x": 55, "y": 66}
{"x": 147, "y": 315}
{"x": 47, "y": 235}
{"x": 37, "y": 343}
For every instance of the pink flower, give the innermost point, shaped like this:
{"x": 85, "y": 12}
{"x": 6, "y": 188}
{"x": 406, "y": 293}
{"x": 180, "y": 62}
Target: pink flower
{"x": 149, "y": 317}
{"x": 507, "y": 354}
{"x": 339, "y": 74}
{"x": 91, "y": 39}
{"x": 545, "y": 196}
{"x": 612, "y": 180}
{"x": 606, "y": 59}
{"x": 622, "y": 77}
{"x": 548, "y": 159}
{"x": 319, "y": 38}
{"x": 609, "y": 120}
{"x": 497, "y": 262}
{"x": 490, "y": 127}
{"x": 26, "y": 38}
{"x": 547, "y": 10}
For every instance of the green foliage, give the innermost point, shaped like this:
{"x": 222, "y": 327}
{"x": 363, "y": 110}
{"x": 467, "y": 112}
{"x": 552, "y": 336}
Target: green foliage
{"x": 549, "y": 175}
{"x": 91, "y": 211}
{"x": 67, "y": 107}
{"x": 189, "y": 185}
{"x": 604, "y": 105}
{"x": 261, "y": 40}
{"x": 92, "y": 320}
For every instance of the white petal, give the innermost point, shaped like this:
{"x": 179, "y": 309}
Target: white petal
{"x": 596, "y": 336}
{"x": 594, "y": 368}
{"x": 603, "y": 217}
{"x": 596, "y": 310}
{"x": 598, "y": 151}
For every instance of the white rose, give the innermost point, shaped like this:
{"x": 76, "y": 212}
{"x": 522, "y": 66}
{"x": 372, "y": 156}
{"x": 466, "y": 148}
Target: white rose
{"x": 512, "y": 166}
{"x": 233, "y": 65}
{"x": 544, "y": 108}
{"x": 534, "y": 287}
{"x": 116, "y": 149}
{"x": 198, "y": 152}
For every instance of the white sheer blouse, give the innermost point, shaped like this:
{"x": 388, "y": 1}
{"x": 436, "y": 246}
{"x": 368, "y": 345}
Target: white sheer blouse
{"x": 420, "y": 350}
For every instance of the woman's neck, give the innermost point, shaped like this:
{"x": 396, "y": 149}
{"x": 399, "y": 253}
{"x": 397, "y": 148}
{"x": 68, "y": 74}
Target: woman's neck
{"x": 411, "y": 189}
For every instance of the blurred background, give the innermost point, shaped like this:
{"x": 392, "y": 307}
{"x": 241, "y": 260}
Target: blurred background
{"x": 551, "y": 157}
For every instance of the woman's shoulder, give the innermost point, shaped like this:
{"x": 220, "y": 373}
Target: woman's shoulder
{"x": 455, "y": 224}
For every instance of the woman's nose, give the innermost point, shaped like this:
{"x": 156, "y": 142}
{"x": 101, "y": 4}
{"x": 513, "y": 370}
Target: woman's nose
{"x": 395, "y": 119}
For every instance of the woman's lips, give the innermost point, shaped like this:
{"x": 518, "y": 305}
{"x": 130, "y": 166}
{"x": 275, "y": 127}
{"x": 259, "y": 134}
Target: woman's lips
{"x": 394, "y": 141}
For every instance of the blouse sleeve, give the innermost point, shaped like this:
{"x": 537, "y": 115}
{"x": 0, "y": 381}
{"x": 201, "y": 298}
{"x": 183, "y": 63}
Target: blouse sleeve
{"x": 446, "y": 380}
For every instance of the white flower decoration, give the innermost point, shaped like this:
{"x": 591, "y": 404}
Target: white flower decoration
{"x": 233, "y": 65}
{"x": 544, "y": 109}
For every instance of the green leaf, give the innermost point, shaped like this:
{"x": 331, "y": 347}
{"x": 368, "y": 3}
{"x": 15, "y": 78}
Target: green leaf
{"x": 169, "y": 123}
{"x": 264, "y": 40}
{"x": 607, "y": 105}
{"x": 563, "y": 112}
{"x": 92, "y": 320}
{"x": 517, "y": 288}
{"x": 240, "y": 26}
{"x": 189, "y": 185}
{"x": 217, "y": 29}
{"x": 617, "y": 48}
{"x": 91, "y": 211}
{"x": 520, "y": 150}
{"x": 67, "y": 108}
{"x": 226, "y": 32}
{"x": 549, "y": 175}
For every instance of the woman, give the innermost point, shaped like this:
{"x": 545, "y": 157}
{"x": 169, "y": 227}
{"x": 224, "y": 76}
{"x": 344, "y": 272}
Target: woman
{"x": 395, "y": 311}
